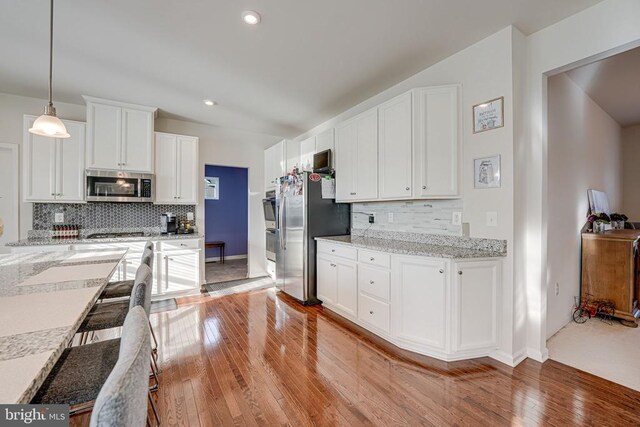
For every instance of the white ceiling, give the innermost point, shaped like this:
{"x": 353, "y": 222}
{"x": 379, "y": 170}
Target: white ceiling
{"x": 306, "y": 62}
{"x": 614, "y": 84}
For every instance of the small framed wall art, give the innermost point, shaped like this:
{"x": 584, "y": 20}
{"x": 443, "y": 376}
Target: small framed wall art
{"x": 486, "y": 172}
{"x": 488, "y": 115}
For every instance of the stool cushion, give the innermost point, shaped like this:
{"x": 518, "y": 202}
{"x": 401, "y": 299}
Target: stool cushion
{"x": 105, "y": 315}
{"x": 119, "y": 289}
{"x": 79, "y": 374}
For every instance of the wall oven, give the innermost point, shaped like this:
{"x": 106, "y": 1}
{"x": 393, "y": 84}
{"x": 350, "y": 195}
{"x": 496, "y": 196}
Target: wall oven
{"x": 117, "y": 186}
{"x": 269, "y": 208}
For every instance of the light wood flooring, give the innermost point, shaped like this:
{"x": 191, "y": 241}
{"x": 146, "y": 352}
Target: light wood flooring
{"x": 261, "y": 359}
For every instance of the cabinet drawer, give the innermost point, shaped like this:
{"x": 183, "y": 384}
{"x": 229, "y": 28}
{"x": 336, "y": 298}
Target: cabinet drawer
{"x": 172, "y": 245}
{"x": 338, "y": 250}
{"x": 374, "y": 258}
{"x": 374, "y": 281}
{"x": 135, "y": 247}
{"x": 373, "y": 312}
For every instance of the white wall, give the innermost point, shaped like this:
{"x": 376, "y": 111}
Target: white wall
{"x": 631, "y": 172}
{"x": 607, "y": 28}
{"x": 226, "y": 147}
{"x": 12, "y": 108}
{"x": 585, "y": 151}
{"x": 485, "y": 72}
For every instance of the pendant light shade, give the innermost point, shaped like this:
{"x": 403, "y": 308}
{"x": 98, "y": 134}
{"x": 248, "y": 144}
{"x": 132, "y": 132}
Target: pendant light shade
{"x": 49, "y": 124}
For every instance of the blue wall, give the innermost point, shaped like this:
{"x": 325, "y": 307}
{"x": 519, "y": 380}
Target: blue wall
{"x": 226, "y": 219}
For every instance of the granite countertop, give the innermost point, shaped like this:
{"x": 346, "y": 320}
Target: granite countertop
{"x": 415, "y": 248}
{"x": 44, "y": 297}
{"x": 43, "y": 241}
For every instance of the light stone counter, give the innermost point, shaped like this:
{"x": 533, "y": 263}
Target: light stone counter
{"x": 44, "y": 297}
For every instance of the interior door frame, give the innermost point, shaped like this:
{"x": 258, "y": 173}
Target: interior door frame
{"x": 15, "y": 150}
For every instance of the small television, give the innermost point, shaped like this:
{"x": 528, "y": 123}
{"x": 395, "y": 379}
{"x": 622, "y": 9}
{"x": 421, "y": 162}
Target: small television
{"x": 322, "y": 161}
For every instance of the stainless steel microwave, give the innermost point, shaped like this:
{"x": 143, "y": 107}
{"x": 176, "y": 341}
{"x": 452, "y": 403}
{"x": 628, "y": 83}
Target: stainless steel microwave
{"x": 117, "y": 186}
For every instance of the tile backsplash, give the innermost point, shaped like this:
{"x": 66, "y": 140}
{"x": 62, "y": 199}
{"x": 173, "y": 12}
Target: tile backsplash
{"x": 106, "y": 215}
{"x": 415, "y": 216}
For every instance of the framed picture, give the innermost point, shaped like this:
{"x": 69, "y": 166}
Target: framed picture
{"x": 486, "y": 172}
{"x": 212, "y": 188}
{"x": 488, "y": 115}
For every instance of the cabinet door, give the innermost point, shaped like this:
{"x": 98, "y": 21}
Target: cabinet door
{"x": 347, "y": 287}
{"x": 395, "y": 148}
{"x": 475, "y": 305}
{"x": 187, "y": 165}
{"x": 437, "y": 133}
{"x": 39, "y": 165}
{"x": 274, "y": 165}
{"x": 292, "y": 152}
{"x": 367, "y": 156}
{"x": 307, "y": 150}
{"x": 166, "y": 168}
{"x": 419, "y": 301}
{"x": 327, "y": 271}
{"x": 70, "y": 164}
{"x": 326, "y": 141}
{"x": 345, "y": 160}
{"x": 181, "y": 272}
{"x": 104, "y": 136}
{"x": 137, "y": 140}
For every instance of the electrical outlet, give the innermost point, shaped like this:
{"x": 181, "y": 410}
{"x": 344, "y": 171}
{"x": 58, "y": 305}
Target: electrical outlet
{"x": 456, "y": 218}
{"x": 557, "y": 288}
{"x": 372, "y": 218}
{"x": 492, "y": 219}
{"x": 390, "y": 217}
{"x": 59, "y": 217}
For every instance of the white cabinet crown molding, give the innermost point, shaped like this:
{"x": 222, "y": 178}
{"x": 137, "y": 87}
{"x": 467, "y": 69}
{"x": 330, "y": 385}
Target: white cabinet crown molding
{"x": 95, "y": 100}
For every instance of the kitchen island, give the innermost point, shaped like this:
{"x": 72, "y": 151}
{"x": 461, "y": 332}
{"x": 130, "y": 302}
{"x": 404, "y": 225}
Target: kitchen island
{"x": 44, "y": 297}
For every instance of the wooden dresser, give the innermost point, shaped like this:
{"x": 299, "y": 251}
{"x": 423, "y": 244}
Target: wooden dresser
{"x": 610, "y": 269}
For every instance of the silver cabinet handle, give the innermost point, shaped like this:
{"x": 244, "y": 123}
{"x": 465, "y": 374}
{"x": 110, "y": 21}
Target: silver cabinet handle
{"x": 182, "y": 244}
{"x": 333, "y": 250}
{"x": 333, "y": 265}
{"x": 372, "y": 259}
{"x": 441, "y": 271}
{"x": 370, "y": 311}
{"x": 460, "y": 273}
{"x": 53, "y": 194}
{"x": 352, "y": 194}
{"x": 424, "y": 187}
{"x": 407, "y": 188}
{"x": 371, "y": 282}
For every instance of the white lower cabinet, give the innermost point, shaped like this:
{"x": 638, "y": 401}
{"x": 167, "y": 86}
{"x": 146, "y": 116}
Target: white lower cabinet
{"x": 337, "y": 284}
{"x": 443, "y": 308}
{"x": 178, "y": 271}
{"x": 420, "y": 289}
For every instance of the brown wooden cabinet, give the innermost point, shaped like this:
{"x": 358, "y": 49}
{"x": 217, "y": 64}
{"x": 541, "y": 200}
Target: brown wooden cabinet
{"x": 610, "y": 269}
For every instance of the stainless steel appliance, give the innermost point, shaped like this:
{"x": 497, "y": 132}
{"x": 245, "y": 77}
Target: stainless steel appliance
{"x": 302, "y": 215}
{"x": 168, "y": 223}
{"x": 117, "y": 186}
{"x": 269, "y": 208}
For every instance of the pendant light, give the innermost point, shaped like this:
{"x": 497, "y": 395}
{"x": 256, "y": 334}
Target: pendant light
{"x": 49, "y": 124}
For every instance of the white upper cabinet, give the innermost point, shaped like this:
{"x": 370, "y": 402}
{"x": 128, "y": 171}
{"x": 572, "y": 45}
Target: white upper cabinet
{"x": 119, "y": 135}
{"x": 395, "y": 148}
{"x": 437, "y": 145}
{"x": 357, "y": 158}
{"x": 307, "y": 150}
{"x": 274, "y": 165}
{"x": 326, "y": 141}
{"x": 53, "y": 169}
{"x": 176, "y": 167}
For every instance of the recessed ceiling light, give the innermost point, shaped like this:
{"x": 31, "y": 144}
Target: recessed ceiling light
{"x": 209, "y": 102}
{"x": 250, "y": 17}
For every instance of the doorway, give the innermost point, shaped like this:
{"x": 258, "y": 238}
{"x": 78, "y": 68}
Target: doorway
{"x": 593, "y": 144}
{"x": 9, "y": 218}
{"x": 226, "y": 211}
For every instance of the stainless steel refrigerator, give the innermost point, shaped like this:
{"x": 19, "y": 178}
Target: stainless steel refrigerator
{"x": 301, "y": 215}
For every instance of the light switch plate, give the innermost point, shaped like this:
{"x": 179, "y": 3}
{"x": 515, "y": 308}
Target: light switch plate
{"x": 456, "y": 218}
{"x": 492, "y": 219}
{"x": 390, "y": 217}
{"x": 59, "y": 217}
{"x": 189, "y": 216}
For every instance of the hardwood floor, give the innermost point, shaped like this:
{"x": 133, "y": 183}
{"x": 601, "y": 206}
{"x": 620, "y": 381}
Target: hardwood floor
{"x": 260, "y": 359}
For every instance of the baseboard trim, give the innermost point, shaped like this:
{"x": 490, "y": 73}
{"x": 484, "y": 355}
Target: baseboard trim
{"x": 537, "y": 355}
{"x": 512, "y": 360}
{"x": 217, "y": 258}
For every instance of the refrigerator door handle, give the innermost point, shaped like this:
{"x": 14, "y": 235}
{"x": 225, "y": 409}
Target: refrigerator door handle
{"x": 283, "y": 223}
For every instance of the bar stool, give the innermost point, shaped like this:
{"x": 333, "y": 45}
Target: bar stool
{"x": 121, "y": 400}
{"x": 80, "y": 372}
{"x": 122, "y": 288}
